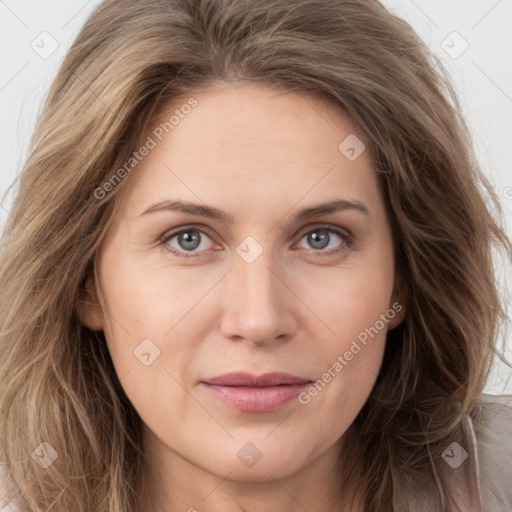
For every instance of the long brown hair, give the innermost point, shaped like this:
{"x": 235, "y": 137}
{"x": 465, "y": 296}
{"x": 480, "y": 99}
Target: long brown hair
{"x": 58, "y": 384}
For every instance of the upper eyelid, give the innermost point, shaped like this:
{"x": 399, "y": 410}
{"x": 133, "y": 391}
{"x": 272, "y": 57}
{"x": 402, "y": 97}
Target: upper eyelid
{"x": 305, "y": 229}
{"x": 171, "y": 233}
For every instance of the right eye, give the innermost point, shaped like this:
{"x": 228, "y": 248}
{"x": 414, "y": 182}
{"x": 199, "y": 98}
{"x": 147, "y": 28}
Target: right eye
{"x": 188, "y": 240}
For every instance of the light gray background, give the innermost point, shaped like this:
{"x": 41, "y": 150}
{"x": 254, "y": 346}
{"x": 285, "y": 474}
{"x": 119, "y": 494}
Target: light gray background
{"x": 472, "y": 37}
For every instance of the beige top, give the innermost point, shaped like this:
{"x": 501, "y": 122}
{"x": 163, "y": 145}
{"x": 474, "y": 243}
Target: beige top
{"x": 478, "y": 469}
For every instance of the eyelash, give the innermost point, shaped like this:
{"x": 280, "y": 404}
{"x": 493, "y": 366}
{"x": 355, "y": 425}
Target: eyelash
{"x": 344, "y": 234}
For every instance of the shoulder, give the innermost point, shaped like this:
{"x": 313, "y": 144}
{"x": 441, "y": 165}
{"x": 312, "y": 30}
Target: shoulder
{"x": 492, "y": 426}
{"x": 479, "y": 478}
{"x": 7, "y": 491}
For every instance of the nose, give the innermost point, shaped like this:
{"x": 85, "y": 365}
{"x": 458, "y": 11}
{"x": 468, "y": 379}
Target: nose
{"x": 258, "y": 304}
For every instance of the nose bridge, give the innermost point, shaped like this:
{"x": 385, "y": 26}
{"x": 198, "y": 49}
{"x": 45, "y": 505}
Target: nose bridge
{"x": 253, "y": 264}
{"x": 258, "y": 284}
{"x": 256, "y": 302}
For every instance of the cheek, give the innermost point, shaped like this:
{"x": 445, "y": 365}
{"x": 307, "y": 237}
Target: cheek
{"x": 348, "y": 302}
{"x": 148, "y": 328}
{"x": 145, "y": 296}
{"x": 347, "y": 375}
{"x": 348, "y": 369}
{"x": 354, "y": 307}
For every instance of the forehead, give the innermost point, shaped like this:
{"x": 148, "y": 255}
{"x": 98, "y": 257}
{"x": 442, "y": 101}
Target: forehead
{"x": 250, "y": 141}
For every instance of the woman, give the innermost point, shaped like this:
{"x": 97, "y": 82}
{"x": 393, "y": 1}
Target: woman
{"x": 249, "y": 268}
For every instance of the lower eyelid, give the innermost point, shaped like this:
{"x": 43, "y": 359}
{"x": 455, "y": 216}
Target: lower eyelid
{"x": 346, "y": 236}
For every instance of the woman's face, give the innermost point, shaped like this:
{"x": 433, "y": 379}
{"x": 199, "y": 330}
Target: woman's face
{"x": 278, "y": 284}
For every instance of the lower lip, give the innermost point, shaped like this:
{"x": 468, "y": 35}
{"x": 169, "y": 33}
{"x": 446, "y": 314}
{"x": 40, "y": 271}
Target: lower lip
{"x": 261, "y": 399}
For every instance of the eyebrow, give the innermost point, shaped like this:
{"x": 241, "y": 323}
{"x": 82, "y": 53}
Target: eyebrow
{"x": 211, "y": 212}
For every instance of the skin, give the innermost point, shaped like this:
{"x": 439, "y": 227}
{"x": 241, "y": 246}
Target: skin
{"x": 260, "y": 154}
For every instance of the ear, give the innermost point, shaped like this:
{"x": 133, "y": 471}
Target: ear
{"x": 88, "y": 308}
{"x": 398, "y": 303}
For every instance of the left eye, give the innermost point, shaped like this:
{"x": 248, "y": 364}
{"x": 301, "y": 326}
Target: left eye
{"x": 321, "y": 236}
{"x": 190, "y": 240}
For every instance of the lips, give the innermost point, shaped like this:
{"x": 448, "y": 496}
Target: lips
{"x": 253, "y": 381}
{"x": 255, "y": 393}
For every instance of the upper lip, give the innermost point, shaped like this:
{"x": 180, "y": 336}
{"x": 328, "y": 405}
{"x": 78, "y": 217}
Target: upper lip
{"x": 252, "y": 380}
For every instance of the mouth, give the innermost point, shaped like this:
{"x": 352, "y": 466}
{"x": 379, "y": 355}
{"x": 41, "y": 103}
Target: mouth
{"x": 255, "y": 393}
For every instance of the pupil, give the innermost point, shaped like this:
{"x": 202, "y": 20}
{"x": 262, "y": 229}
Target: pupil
{"x": 319, "y": 241}
{"x": 190, "y": 241}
